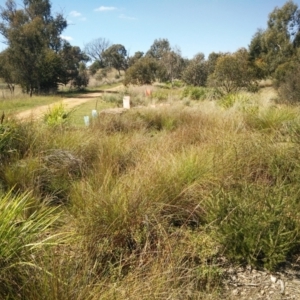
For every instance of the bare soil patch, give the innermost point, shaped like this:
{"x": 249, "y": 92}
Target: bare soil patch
{"x": 69, "y": 103}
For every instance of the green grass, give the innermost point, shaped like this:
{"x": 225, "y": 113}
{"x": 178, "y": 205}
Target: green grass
{"x": 78, "y": 113}
{"x": 21, "y": 103}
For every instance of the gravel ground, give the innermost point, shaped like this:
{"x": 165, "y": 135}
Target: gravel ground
{"x": 252, "y": 284}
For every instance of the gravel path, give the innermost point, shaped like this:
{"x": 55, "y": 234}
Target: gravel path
{"x": 69, "y": 103}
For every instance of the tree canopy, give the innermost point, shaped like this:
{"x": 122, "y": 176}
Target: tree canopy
{"x": 35, "y": 51}
{"x": 233, "y": 72}
{"x": 143, "y": 71}
{"x": 277, "y": 44}
{"x": 115, "y": 56}
{"x": 197, "y": 71}
{"x": 159, "y": 48}
{"x": 39, "y": 60}
{"x": 95, "y": 50}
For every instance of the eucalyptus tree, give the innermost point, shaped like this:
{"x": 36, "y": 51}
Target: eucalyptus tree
{"x": 34, "y": 44}
{"x": 197, "y": 71}
{"x": 277, "y": 44}
{"x": 116, "y": 56}
{"x": 159, "y": 48}
{"x": 7, "y": 73}
{"x": 143, "y": 71}
{"x": 171, "y": 63}
{"x": 133, "y": 59}
{"x": 233, "y": 72}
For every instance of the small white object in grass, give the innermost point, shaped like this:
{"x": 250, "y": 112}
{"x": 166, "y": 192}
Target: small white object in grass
{"x": 94, "y": 113}
{"x": 126, "y": 102}
{"x": 86, "y": 120}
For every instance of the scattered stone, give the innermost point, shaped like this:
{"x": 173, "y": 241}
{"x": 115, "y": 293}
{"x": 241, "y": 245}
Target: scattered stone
{"x": 243, "y": 284}
{"x": 282, "y": 286}
{"x": 273, "y": 278}
{"x": 235, "y": 292}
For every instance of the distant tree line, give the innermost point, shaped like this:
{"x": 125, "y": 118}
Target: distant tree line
{"x": 272, "y": 53}
{"x": 39, "y": 60}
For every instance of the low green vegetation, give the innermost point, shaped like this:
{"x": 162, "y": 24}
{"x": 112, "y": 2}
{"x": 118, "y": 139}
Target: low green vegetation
{"x": 16, "y": 104}
{"x": 147, "y": 203}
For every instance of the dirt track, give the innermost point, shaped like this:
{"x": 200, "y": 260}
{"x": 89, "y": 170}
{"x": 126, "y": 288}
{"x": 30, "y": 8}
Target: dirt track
{"x": 68, "y": 103}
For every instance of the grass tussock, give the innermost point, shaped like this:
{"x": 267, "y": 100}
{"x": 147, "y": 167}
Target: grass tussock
{"x": 150, "y": 201}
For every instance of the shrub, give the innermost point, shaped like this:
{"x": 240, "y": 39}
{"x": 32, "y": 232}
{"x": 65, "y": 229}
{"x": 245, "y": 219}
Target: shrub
{"x": 232, "y": 73}
{"x": 194, "y": 93}
{"x": 289, "y": 86}
{"x": 143, "y": 71}
{"x": 256, "y": 225}
{"x": 56, "y": 116}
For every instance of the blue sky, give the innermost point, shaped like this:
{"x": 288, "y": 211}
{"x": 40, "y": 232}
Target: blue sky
{"x": 192, "y": 25}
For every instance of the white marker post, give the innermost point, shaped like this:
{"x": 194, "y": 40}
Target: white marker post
{"x": 94, "y": 113}
{"x": 126, "y": 102}
{"x": 86, "y": 120}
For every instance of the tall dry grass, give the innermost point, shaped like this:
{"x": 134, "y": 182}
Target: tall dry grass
{"x": 151, "y": 199}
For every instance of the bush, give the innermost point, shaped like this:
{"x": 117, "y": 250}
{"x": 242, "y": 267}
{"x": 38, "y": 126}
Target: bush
{"x": 233, "y": 73}
{"x": 289, "y": 87}
{"x": 194, "y": 93}
{"x": 256, "y": 225}
{"x": 143, "y": 71}
{"x": 56, "y": 116}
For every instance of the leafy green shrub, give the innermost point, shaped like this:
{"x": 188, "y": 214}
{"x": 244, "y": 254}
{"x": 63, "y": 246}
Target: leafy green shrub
{"x": 56, "y": 116}
{"x": 232, "y": 73}
{"x": 194, "y": 93}
{"x": 289, "y": 84}
{"x": 197, "y": 93}
{"x": 257, "y": 225}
